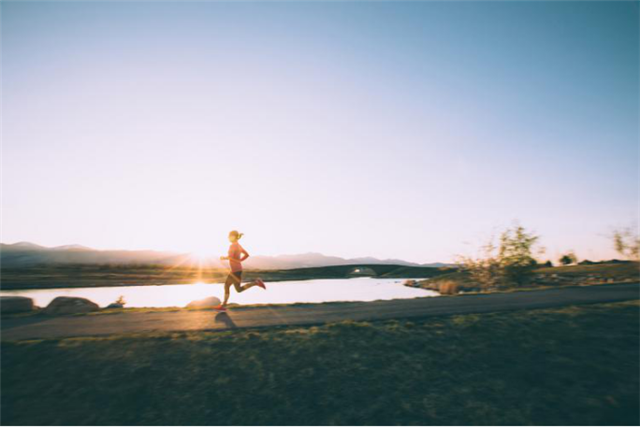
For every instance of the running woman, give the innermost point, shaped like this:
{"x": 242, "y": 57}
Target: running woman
{"x": 236, "y": 255}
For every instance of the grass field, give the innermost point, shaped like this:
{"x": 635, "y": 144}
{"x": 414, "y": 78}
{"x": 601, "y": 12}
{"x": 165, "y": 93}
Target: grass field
{"x": 610, "y": 271}
{"x": 576, "y": 365}
{"x": 547, "y": 277}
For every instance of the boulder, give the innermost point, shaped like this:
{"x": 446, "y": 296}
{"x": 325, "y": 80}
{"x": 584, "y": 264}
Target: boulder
{"x": 411, "y": 283}
{"x": 115, "y": 305}
{"x": 205, "y": 303}
{"x": 70, "y": 305}
{"x": 15, "y": 304}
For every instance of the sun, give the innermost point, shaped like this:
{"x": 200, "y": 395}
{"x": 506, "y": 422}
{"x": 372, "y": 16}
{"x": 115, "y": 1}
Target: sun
{"x": 202, "y": 254}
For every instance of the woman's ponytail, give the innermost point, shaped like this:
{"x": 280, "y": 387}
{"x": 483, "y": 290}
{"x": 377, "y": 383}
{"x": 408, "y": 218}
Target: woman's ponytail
{"x": 237, "y": 234}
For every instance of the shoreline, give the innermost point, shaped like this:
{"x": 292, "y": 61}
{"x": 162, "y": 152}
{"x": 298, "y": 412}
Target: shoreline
{"x": 90, "y": 276}
{"x": 38, "y": 327}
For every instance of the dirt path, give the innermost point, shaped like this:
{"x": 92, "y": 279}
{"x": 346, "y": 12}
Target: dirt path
{"x": 69, "y": 326}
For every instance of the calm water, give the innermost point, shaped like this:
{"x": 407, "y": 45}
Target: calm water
{"x": 360, "y": 289}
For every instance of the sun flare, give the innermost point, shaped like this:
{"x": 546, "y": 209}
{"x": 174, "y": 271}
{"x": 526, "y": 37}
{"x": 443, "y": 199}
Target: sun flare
{"x": 202, "y": 255}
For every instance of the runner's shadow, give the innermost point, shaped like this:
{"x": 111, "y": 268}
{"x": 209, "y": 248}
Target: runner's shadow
{"x": 224, "y": 318}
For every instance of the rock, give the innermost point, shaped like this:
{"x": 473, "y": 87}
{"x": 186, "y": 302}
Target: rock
{"x": 205, "y": 303}
{"x": 429, "y": 285}
{"x": 15, "y": 304}
{"x": 115, "y": 305}
{"x": 70, "y": 305}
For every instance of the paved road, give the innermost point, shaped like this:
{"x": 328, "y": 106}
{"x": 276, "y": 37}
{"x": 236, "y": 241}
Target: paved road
{"x": 70, "y": 326}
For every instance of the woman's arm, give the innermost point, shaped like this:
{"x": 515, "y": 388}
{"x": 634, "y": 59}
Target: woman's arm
{"x": 243, "y": 255}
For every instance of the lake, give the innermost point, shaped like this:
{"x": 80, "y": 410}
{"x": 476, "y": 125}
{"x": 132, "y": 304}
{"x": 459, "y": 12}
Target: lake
{"x": 309, "y": 291}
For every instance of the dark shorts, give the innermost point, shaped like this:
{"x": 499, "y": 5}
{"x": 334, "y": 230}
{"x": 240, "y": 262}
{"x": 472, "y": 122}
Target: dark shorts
{"x": 234, "y": 278}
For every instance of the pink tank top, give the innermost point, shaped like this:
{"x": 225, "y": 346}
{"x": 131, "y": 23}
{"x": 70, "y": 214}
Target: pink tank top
{"x": 235, "y": 251}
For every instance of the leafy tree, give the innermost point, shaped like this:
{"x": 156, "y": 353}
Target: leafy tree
{"x": 516, "y": 254}
{"x": 568, "y": 258}
{"x": 510, "y": 263}
{"x": 627, "y": 242}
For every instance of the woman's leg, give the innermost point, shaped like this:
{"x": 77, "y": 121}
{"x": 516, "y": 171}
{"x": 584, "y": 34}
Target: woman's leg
{"x": 237, "y": 280}
{"x": 242, "y": 288}
{"x": 227, "y": 289}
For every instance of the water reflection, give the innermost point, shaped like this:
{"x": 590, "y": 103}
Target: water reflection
{"x": 325, "y": 290}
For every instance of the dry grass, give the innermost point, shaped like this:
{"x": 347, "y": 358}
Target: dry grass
{"x": 570, "y": 366}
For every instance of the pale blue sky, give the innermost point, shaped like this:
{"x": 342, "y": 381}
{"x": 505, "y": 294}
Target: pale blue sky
{"x": 392, "y": 129}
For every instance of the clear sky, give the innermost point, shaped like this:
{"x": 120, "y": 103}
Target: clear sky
{"x": 405, "y": 130}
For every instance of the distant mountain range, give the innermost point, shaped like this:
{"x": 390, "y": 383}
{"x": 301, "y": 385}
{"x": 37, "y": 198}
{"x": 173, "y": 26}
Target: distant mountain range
{"x": 25, "y": 254}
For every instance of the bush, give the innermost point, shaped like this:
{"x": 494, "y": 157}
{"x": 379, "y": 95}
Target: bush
{"x": 509, "y": 264}
{"x": 448, "y": 287}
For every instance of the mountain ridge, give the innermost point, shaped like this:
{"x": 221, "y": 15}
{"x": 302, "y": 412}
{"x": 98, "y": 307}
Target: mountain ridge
{"x": 24, "y": 254}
